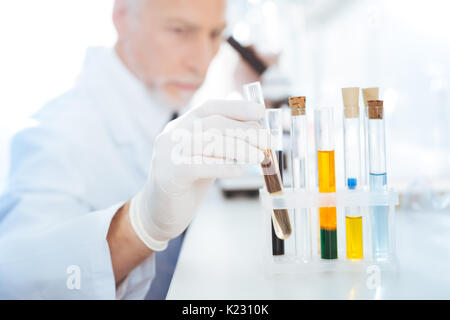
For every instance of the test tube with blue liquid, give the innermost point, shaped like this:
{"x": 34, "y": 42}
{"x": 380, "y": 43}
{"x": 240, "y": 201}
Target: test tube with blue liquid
{"x": 379, "y": 215}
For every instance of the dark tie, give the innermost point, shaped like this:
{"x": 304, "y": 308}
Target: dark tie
{"x": 165, "y": 263}
{"x": 174, "y": 116}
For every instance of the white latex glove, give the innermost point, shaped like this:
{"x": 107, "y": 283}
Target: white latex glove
{"x": 163, "y": 209}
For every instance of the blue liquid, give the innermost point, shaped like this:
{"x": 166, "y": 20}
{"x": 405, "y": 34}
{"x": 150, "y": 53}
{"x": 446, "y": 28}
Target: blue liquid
{"x": 352, "y": 183}
{"x": 379, "y": 219}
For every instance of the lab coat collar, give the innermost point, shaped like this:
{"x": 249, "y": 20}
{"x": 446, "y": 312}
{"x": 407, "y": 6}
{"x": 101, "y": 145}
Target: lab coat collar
{"x": 123, "y": 99}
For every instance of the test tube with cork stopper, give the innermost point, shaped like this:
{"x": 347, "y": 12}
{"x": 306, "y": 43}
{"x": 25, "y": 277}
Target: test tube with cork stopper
{"x": 368, "y": 94}
{"x": 299, "y": 154}
{"x": 352, "y": 160}
{"x": 379, "y": 216}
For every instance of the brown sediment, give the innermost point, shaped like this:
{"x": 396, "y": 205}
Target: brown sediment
{"x": 282, "y": 224}
{"x": 271, "y": 174}
{"x": 272, "y": 179}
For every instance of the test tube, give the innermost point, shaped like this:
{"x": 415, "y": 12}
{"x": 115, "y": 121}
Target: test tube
{"x": 299, "y": 152}
{"x": 368, "y": 94}
{"x": 352, "y": 159}
{"x": 327, "y": 181}
{"x": 270, "y": 168}
{"x": 276, "y": 131}
{"x": 378, "y": 180}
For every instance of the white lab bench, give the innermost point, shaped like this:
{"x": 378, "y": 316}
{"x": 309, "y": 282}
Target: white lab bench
{"x": 221, "y": 258}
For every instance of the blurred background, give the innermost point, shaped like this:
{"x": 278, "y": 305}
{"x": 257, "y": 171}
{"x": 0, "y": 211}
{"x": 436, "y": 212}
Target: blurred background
{"x": 401, "y": 46}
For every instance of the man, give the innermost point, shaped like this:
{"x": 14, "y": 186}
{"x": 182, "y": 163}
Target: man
{"x": 96, "y": 187}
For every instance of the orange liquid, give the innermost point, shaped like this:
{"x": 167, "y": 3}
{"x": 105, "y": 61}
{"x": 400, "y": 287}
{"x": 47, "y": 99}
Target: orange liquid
{"x": 327, "y": 183}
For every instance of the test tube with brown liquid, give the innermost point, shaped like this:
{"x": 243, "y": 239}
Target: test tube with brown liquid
{"x": 270, "y": 168}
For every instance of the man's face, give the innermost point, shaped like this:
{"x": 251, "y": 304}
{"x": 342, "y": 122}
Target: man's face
{"x": 170, "y": 44}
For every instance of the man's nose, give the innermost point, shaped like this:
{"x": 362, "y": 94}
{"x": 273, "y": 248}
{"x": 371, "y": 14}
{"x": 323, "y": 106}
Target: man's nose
{"x": 201, "y": 56}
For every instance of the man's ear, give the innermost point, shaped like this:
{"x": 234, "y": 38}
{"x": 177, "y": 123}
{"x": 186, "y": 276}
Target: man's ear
{"x": 120, "y": 17}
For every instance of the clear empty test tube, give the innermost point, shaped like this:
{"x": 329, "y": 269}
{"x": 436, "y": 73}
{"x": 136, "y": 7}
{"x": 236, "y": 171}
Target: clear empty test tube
{"x": 352, "y": 159}
{"x": 368, "y": 94}
{"x": 299, "y": 152}
{"x": 327, "y": 182}
{"x": 379, "y": 216}
{"x": 270, "y": 168}
{"x": 274, "y": 121}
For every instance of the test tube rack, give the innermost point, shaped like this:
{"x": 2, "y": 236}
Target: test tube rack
{"x": 292, "y": 262}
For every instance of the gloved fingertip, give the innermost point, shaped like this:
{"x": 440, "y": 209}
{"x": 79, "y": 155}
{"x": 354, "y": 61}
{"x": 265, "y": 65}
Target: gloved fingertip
{"x": 260, "y": 110}
{"x": 254, "y": 111}
{"x": 261, "y": 156}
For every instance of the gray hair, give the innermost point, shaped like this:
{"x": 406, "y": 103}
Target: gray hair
{"x": 135, "y": 3}
{"x": 134, "y": 7}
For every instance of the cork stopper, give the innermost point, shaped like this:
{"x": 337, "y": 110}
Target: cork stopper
{"x": 369, "y": 94}
{"x": 298, "y": 106}
{"x": 375, "y": 109}
{"x": 351, "y": 102}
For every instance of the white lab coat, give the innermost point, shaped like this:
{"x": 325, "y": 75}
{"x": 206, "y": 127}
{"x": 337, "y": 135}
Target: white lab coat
{"x": 88, "y": 154}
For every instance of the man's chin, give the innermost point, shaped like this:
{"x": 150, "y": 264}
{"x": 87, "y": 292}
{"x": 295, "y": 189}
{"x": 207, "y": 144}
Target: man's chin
{"x": 173, "y": 101}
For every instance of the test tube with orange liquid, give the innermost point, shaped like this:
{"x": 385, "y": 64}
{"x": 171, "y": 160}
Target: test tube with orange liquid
{"x": 327, "y": 181}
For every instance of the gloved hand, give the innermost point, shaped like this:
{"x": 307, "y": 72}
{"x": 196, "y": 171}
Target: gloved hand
{"x": 211, "y": 141}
